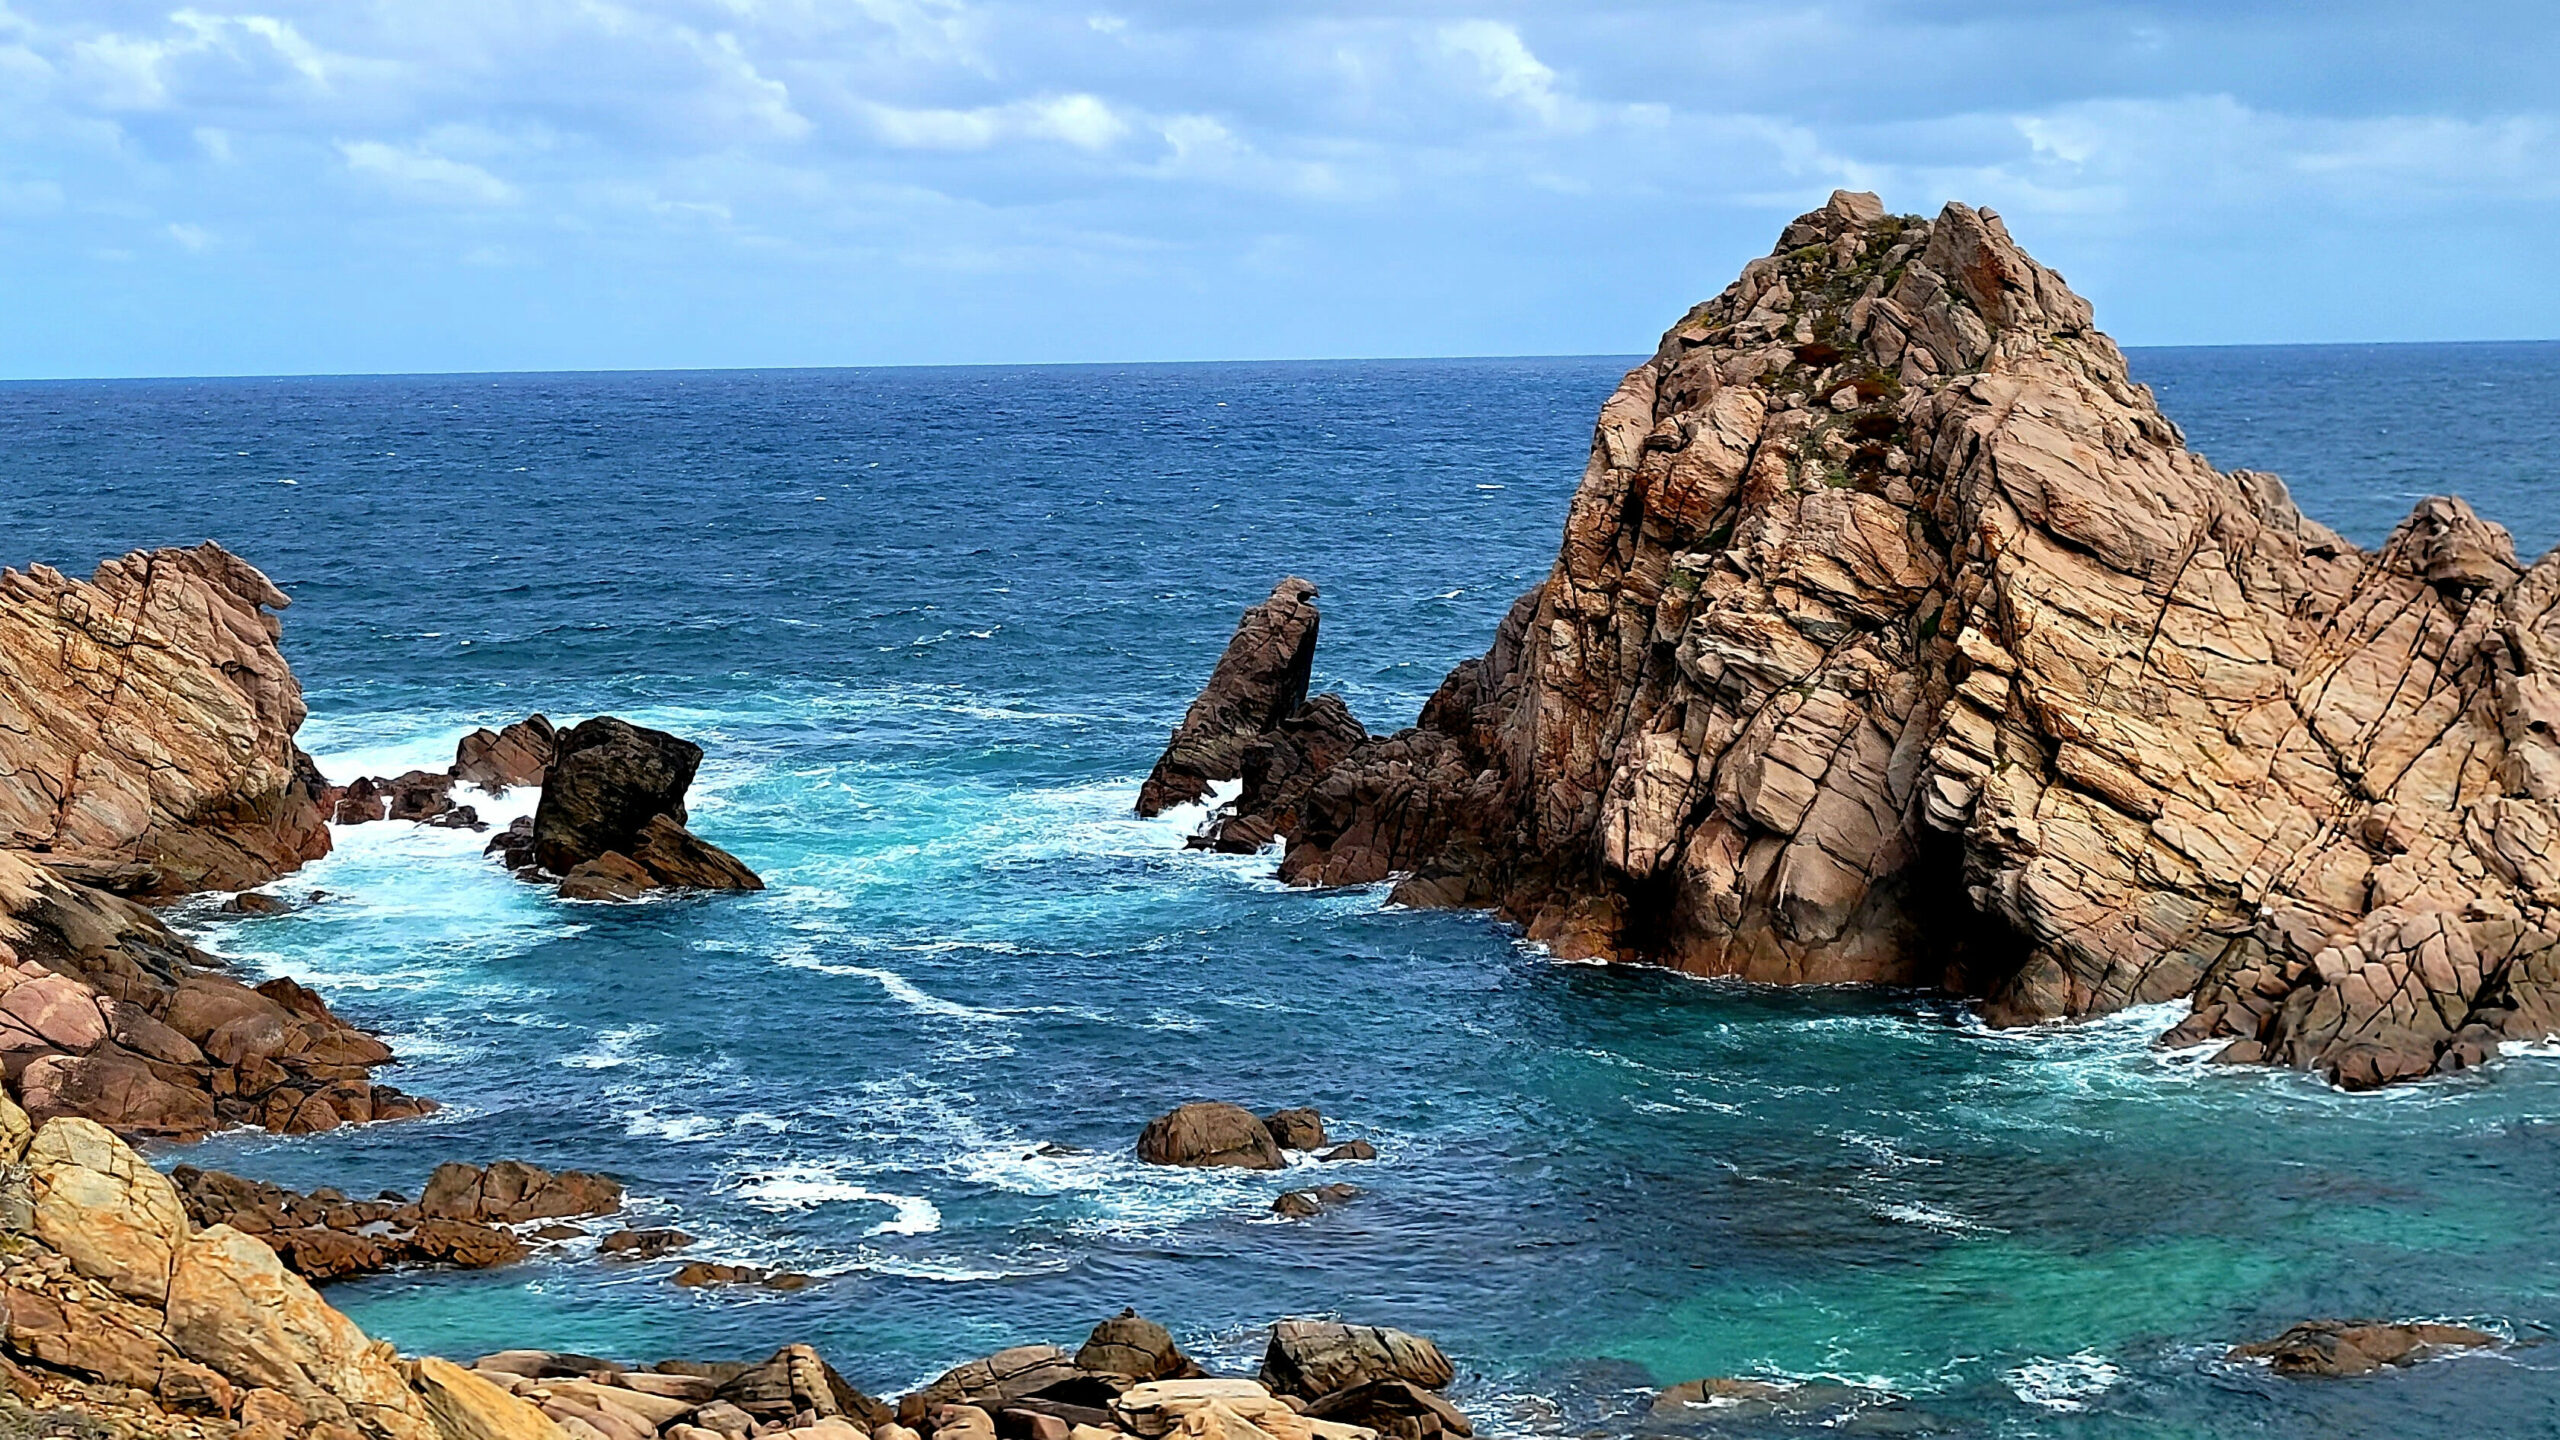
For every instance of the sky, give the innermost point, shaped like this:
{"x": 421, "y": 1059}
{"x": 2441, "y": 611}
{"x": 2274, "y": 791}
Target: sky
{"x": 298, "y": 186}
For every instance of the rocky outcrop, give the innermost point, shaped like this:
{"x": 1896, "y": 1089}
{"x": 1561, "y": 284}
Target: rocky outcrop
{"x": 1896, "y": 636}
{"x": 499, "y": 760}
{"x": 419, "y": 796}
{"x": 2318, "y": 1349}
{"x": 1260, "y": 680}
{"x": 147, "y": 719}
{"x": 1207, "y": 1133}
{"x": 610, "y": 822}
{"x": 105, "y": 1013}
{"x": 327, "y": 1236}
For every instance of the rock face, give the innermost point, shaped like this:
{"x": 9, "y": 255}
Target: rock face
{"x": 611, "y": 818}
{"x": 111, "y": 1283}
{"x": 1260, "y": 680}
{"x": 499, "y": 760}
{"x": 147, "y": 717}
{"x": 2330, "y": 1348}
{"x": 1209, "y": 1132}
{"x": 1896, "y": 636}
{"x": 1315, "y": 1358}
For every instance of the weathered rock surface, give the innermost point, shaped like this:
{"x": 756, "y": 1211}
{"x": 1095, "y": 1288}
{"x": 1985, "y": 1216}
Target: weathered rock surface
{"x": 1135, "y": 1348}
{"x": 1298, "y": 1129}
{"x": 1896, "y": 636}
{"x": 326, "y": 1236}
{"x": 1259, "y": 681}
{"x": 1316, "y": 1358}
{"x": 2330, "y": 1348}
{"x": 1209, "y": 1132}
{"x": 147, "y": 717}
{"x": 419, "y": 796}
{"x": 500, "y": 760}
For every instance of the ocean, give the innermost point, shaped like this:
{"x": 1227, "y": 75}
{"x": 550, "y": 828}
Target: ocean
{"x": 932, "y": 627}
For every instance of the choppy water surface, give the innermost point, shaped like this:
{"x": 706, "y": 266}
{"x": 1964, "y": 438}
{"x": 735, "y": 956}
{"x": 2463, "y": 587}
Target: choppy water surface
{"x": 933, "y": 626}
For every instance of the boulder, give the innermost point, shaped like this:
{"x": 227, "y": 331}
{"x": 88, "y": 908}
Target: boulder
{"x": 678, "y": 859}
{"x": 607, "y": 779}
{"x": 610, "y": 876}
{"x": 1299, "y": 1129}
{"x": 1209, "y": 1132}
{"x": 1261, "y": 678}
{"x": 642, "y": 1244}
{"x": 234, "y": 1307}
{"x": 116, "y": 1090}
{"x": 1306, "y": 1204}
{"x": 511, "y": 1192}
{"x": 1135, "y": 1348}
{"x": 1350, "y": 1150}
{"x": 1396, "y": 1408}
{"x": 696, "y": 1273}
{"x": 514, "y": 845}
{"x": 112, "y": 1216}
{"x": 464, "y": 1406}
{"x": 1314, "y": 1358}
{"x": 795, "y": 1381}
{"x": 251, "y": 902}
{"x": 499, "y": 760}
{"x": 2330, "y": 1348}
{"x": 1006, "y": 1376}
{"x": 100, "y": 1342}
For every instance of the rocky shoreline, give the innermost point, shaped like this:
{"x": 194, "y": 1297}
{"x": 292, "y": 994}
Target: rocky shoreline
{"x": 1895, "y": 637}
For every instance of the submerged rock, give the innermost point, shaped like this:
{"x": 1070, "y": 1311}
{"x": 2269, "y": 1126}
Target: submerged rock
{"x": 2330, "y": 1348}
{"x": 1895, "y": 636}
{"x": 1209, "y": 1132}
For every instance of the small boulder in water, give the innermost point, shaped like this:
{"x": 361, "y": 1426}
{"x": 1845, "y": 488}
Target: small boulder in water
{"x": 250, "y": 902}
{"x": 1299, "y": 1129}
{"x": 642, "y": 1244}
{"x": 1306, "y": 1204}
{"x": 1351, "y": 1150}
{"x": 2321, "y": 1349}
{"x": 1209, "y": 1132}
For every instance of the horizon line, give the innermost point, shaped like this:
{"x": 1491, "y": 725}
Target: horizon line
{"x": 1635, "y": 355}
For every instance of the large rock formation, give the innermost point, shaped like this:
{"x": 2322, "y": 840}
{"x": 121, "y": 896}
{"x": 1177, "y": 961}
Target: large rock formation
{"x": 1260, "y": 680}
{"x": 610, "y": 822}
{"x": 1896, "y": 636}
{"x": 147, "y": 720}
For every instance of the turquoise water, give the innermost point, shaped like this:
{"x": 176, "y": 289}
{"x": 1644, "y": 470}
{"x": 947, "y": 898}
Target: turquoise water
{"x": 928, "y": 697}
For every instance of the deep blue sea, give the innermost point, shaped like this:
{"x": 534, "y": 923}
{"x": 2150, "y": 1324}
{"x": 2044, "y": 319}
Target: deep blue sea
{"x": 933, "y": 626}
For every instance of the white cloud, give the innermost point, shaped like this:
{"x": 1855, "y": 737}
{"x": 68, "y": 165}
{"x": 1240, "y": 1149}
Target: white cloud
{"x": 1084, "y": 121}
{"x": 190, "y": 237}
{"x": 426, "y": 176}
{"x": 1508, "y": 70}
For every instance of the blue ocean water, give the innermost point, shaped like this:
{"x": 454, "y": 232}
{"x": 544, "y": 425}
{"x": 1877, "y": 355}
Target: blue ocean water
{"x": 933, "y": 625}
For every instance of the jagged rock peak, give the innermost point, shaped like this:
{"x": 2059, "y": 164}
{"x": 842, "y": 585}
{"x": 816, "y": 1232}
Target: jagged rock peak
{"x": 1896, "y": 636}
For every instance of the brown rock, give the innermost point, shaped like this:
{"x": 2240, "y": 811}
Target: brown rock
{"x": 234, "y": 1307}
{"x": 192, "y": 1389}
{"x": 1300, "y": 1129}
{"x": 153, "y": 721}
{"x": 1315, "y": 1358}
{"x": 464, "y": 1406}
{"x": 1135, "y": 1348}
{"x": 642, "y": 1244}
{"x": 499, "y": 760}
{"x": 250, "y": 902}
{"x": 610, "y": 876}
{"x": 112, "y": 1216}
{"x": 1260, "y": 679}
{"x": 96, "y": 1341}
{"x": 1351, "y": 1150}
{"x": 510, "y": 1192}
{"x": 796, "y": 1381}
{"x": 677, "y": 858}
{"x": 607, "y": 779}
{"x": 2331, "y": 1348}
{"x": 1209, "y": 1132}
{"x": 1004, "y": 1377}
{"x": 1392, "y": 1407}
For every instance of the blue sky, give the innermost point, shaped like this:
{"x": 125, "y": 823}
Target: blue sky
{"x": 269, "y": 186}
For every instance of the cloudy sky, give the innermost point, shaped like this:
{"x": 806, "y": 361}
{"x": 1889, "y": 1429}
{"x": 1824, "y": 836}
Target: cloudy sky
{"x": 260, "y": 186}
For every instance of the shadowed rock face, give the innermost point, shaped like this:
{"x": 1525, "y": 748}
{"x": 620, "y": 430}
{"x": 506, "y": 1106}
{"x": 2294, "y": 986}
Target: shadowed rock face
{"x": 1896, "y": 636}
{"x": 1259, "y": 681}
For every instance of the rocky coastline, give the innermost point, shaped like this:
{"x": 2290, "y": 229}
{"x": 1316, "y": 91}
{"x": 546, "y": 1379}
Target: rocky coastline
{"x": 1895, "y": 637}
